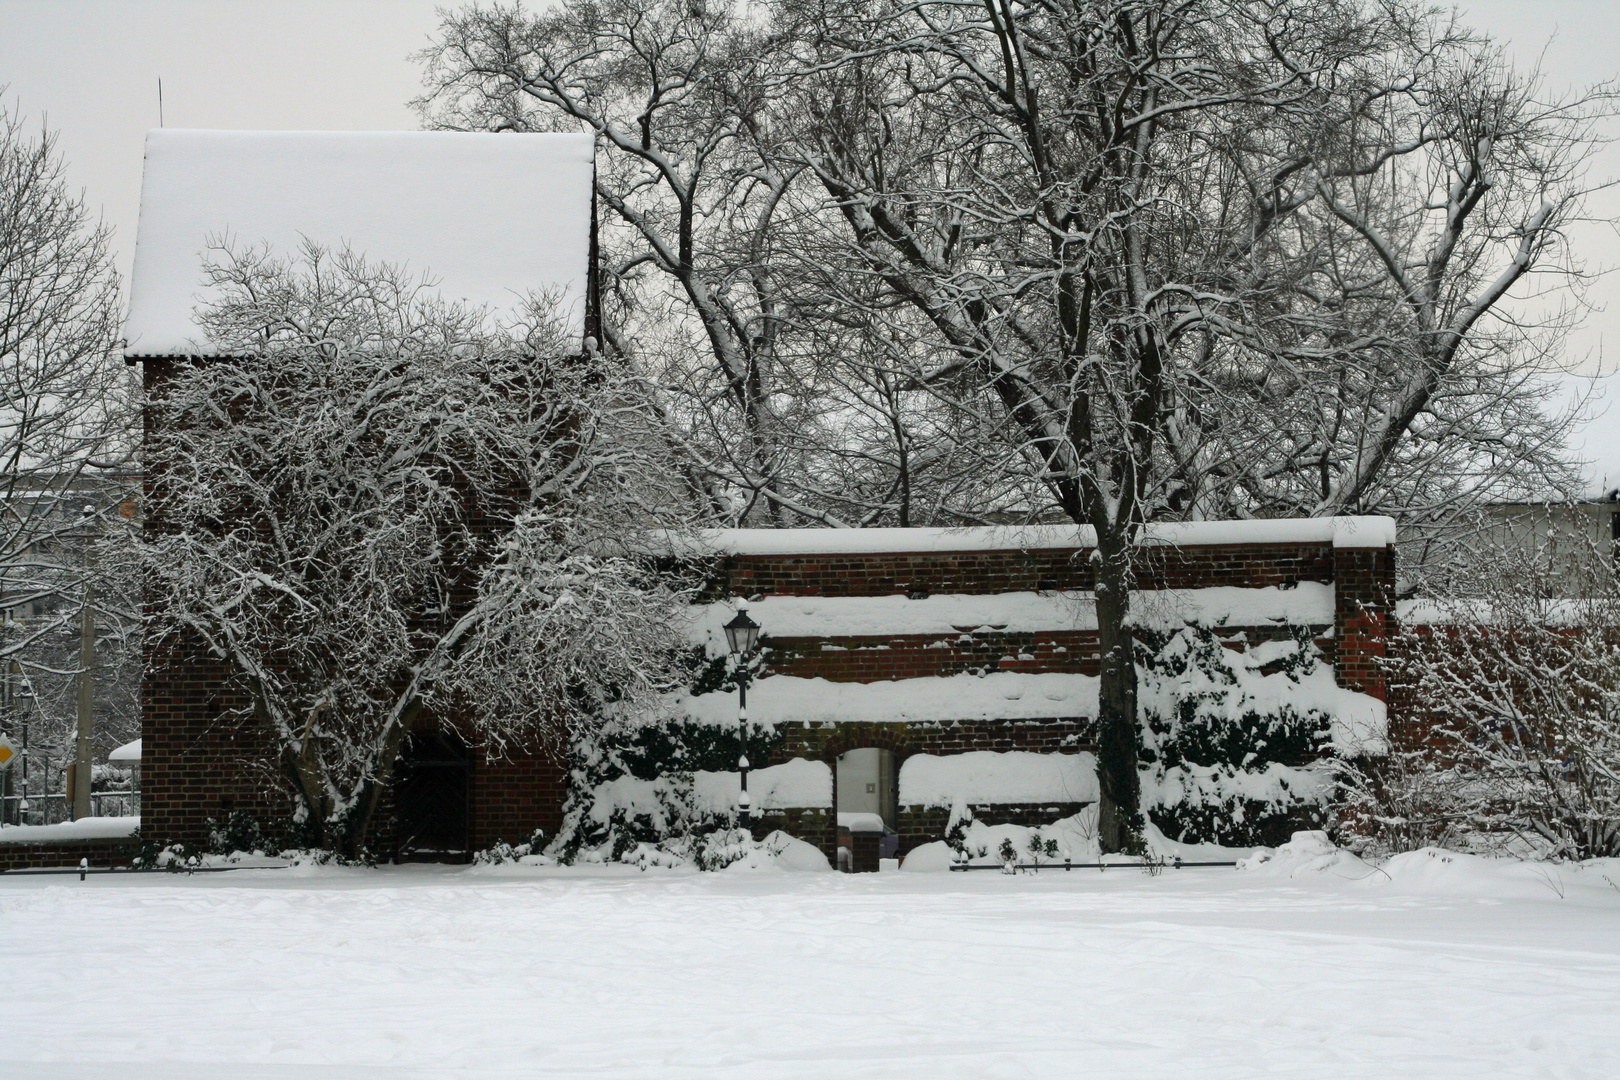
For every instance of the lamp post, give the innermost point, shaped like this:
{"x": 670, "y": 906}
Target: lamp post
{"x": 741, "y": 634}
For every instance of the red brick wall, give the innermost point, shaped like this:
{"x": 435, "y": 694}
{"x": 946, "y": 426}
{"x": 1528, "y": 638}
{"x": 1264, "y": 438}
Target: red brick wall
{"x": 889, "y": 573}
{"x": 199, "y": 764}
{"x": 101, "y": 853}
{"x": 1363, "y": 617}
{"x": 200, "y": 758}
{"x": 514, "y": 795}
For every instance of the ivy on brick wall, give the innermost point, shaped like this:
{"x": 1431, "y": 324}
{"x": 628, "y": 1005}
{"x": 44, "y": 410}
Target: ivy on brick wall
{"x": 1230, "y": 754}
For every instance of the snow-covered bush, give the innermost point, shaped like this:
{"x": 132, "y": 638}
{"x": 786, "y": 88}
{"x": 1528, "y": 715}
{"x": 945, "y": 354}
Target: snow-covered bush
{"x": 633, "y": 780}
{"x": 1073, "y": 838}
{"x": 1233, "y": 738}
{"x": 501, "y": 852}
{"x": 1512, "y": 699}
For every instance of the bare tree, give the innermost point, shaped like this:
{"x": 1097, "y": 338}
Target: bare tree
{"x": 1510, "y": 689}
{"x": 66, "y": 433}
{"x": 1156, "y": 236}
{"x": 1112, "y": 261}
{"x": 379, "y": 510}
{"x": 668, "y": 96}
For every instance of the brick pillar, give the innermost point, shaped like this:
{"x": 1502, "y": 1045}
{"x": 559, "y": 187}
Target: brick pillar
{"x": 1364, "y": 601}
{"x": 864, "y": 852}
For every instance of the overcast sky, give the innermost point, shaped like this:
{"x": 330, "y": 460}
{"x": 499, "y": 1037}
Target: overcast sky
{"x": 91, "y": 68}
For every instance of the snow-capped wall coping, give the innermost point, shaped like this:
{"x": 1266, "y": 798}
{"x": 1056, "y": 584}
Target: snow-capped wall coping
{"x": 93, "y": 828}
{"x": 1310, "y": 603}
{"x": 986, "y": 776}
{"x": 796, "y": 783}
{"x": 1554, "y": 611}
{"x": 128, "y": 754}
{"x": 861, "y": 822}
{"x": 1002, "y": 695}
{"x": 491, "y": 217}
{"x": 1341, "y": 532}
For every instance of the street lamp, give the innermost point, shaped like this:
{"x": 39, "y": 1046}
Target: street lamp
{"x": 741, "y": 635}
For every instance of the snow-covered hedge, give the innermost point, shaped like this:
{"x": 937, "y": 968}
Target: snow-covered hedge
{"x": 1236, "y": 739}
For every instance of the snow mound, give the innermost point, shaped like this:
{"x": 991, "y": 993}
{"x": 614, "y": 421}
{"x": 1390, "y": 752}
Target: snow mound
{"x": 1436, "y": 871}
{"x": 861, "y": 823}
{"x": 779, "y": 851}
{"x": 1073, "y": 838}
{"x": 929, "y": 858}
{"x": 128, "y": 754}
{"x": 1306, "y": 853}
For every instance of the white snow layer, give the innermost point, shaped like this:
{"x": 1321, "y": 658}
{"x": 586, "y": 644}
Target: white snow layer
{"x": 797, "y": 782}
{"x": 1551, "y": 611}
{"x": 491, "y": 217}
{"x": 128, "y": 754}
{"x": 1441, "y": 966}
{"x": 1002, "y": 695}
{"x": 861, "y": 822}
{"x": 92, "y": 828}
{"x": 1342, "y": 532}
{"x": 794, "y": 784}
{"x": 986, "y": 776}
{"x": 1309, "y": 603}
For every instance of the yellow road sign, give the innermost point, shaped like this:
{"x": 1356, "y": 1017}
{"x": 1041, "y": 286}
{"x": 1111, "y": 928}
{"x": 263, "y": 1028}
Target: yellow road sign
{"x": 7, "y": 751}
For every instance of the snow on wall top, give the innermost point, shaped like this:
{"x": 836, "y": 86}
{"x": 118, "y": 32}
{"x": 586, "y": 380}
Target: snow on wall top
{"x": 491, "y": 217}
{"x": 1309, "y": 603}
{"x": 1002, "y": 695}
{"x": 91, "y": 828}
{"x": 1344, "y": 532}
{"x": 128, "y": 754}
{"x": 1015, "y": 776}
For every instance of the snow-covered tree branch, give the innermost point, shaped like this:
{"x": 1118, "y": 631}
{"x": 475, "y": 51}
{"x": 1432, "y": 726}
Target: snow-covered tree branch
{"x": 381, "y": 510}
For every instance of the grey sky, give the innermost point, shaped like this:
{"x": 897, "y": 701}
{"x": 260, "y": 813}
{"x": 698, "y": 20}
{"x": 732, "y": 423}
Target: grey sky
{"x": 92, "y": 68}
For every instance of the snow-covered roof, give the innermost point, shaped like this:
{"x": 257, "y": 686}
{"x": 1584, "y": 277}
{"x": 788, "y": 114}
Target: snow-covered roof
{"x": 491, "y": 217}
{"x": 1344, "y": 532}
{"x": 128, "y": 754}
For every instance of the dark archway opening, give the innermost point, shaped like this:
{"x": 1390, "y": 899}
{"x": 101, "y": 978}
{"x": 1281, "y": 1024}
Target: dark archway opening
{"x": 433, "y": 798}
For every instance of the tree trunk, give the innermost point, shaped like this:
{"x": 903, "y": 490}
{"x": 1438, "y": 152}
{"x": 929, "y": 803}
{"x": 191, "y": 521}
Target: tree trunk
{"x": 1119, "y": 813}
{"x": 355, "y": 827}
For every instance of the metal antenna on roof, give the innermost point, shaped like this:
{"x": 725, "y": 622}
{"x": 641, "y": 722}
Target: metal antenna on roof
{"x": 160, "y": 103}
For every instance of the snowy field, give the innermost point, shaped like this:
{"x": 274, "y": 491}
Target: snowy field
{"x": 1302, "y": 968}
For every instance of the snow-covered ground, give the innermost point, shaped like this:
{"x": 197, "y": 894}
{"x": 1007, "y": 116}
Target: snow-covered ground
{"x": 1307, "y": 965}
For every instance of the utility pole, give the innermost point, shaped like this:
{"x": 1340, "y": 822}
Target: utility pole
{"x": 6, "y": 710}
{"x": 83, "y": 765}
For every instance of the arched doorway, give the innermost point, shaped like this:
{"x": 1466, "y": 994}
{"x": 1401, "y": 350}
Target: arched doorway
{"x": 433, "y": 798}
{"x": 866, "y": 793}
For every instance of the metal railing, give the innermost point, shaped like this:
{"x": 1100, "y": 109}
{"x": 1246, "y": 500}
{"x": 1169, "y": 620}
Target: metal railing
{"x": 1141, "y": 864}
{"x": 51, "y": 808}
